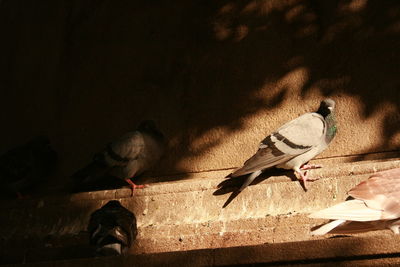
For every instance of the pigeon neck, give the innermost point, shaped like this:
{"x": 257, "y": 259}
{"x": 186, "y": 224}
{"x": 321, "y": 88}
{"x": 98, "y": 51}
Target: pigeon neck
{"x": 331, "y": 127}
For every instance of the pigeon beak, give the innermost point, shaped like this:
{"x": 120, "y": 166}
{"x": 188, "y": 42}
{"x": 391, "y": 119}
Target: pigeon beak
{"x": 330, "y": 108}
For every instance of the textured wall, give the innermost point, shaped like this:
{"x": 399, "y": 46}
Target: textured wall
{"x": 216, "y": 76}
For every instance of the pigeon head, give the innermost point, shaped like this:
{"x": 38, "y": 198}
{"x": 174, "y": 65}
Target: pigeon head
{"x": 149, "y": 126}
{"x": 326, "y": 107}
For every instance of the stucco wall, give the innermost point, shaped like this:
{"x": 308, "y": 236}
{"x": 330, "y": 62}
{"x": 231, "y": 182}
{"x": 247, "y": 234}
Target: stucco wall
{"x": 216, "y": 76}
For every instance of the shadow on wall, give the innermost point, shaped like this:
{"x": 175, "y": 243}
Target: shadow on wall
{"x": 85, "y": 72}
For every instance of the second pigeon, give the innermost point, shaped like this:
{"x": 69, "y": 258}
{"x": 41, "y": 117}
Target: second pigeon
{"x": 126, "y": 157}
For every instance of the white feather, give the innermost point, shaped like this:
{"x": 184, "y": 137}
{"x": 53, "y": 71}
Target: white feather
{"x": 326, "y": 228}
{"x": 352, "y": 210}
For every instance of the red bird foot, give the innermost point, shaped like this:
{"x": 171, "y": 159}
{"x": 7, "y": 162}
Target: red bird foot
{"x": 305, "y": 177}
{"x": 20, "y": 196}
{"x": 310, "y": 167}
{"x": 135, "y": 186}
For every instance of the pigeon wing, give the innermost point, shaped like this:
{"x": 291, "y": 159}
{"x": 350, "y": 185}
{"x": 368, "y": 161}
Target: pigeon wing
{"x": 352, "y": 210}
{"x": 360, "y": 227}
{"x": 292, "y": 139}
{"x": 125, "y": 149}
{"x": 381, "y": 192}
{"x": 301, "y": 134}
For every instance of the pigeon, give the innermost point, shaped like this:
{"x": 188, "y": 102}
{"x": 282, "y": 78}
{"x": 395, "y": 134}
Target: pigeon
{"x": 26, "y": 166}
{"x": 374, "y": 205}
{"x": 126, "y": 157}
{"x": 293, "y": 145}
{"x": 112, "y": 229}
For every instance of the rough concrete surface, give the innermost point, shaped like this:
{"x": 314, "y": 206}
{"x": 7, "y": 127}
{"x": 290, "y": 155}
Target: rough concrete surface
{"x": 186, "y": 215}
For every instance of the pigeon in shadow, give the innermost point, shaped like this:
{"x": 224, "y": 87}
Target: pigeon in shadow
{"x": 125, "y": 158}
{"x": 374, "y": 205}
{"x": 25, "y": 167}
{"x": 112, "y": 229}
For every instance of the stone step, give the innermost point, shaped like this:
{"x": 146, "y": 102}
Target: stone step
{"x": 183, "y": 215}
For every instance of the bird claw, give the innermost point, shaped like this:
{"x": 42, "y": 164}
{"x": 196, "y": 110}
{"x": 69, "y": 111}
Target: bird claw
{"x": 305, "y": 177}
{"x": 310, "y": 166}
{"x": 20, "y": 196}
{"x": 135, "y": 186}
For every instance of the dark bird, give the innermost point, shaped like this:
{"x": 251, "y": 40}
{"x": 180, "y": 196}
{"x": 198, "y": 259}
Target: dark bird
{"x": 26, "y": 166}
{"x": 112, "y": 229}
{"x": 293, "y": 145}
{"x": 126, "y": 157}
{"x": 375, "y": 205}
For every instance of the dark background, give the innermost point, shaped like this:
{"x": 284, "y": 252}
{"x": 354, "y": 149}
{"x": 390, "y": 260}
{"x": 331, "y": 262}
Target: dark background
{"x": 86, "y": 71}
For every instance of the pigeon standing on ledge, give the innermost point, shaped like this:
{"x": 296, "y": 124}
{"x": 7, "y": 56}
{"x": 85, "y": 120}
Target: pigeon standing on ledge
{"x": 376, "y": 206}
{"x": 126, "y": 157}
{"x": 26, "y": 166}
{"x": 112, "y": 229}
{"x": 293, "y": 145}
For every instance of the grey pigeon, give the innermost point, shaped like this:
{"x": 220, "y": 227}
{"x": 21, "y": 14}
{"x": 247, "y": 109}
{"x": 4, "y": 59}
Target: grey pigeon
{"x": 375, "y": 205}
{"x": 112, "y": 229}
{"x": 26, "y": 166}
{"x": 293, "y": 145}
{"x": 126, "y": 157}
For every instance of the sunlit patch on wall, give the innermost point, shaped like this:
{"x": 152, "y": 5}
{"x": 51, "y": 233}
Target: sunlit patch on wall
{"x": 227, "y": 9}
{"x": 294, "y": 62}
{"x": 353, "y": 6}
{"x": 267, "y": 6}
{"x": 251, "y": 7}
{"x": 241, "y": 32}
{"x": 292, "y": 14}
{"x": 222, "y": 31}
{"x": 306, "y": 31}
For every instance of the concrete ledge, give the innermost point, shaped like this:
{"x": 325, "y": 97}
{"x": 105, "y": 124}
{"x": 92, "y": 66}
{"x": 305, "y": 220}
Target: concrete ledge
{"x": 186, "y": 215}
{"x": 373, "y": 250}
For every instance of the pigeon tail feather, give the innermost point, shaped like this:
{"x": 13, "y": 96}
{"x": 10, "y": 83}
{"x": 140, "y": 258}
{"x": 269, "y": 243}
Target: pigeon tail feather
{"x": 354, "y": 210}
{"x": 326, "y": 228}
{"x": 249, "y": 180}
{"x": 92, "y": 171}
